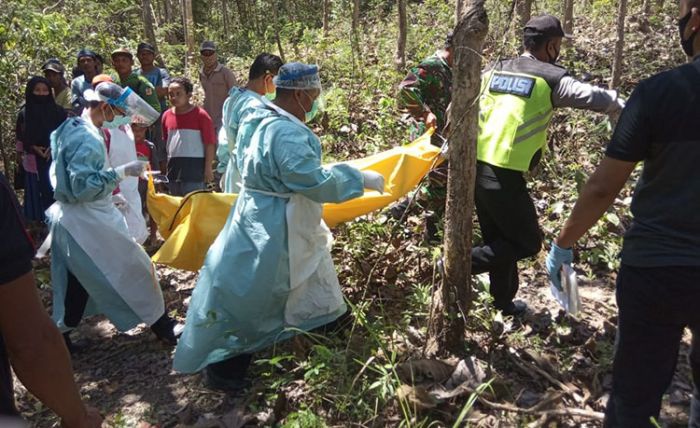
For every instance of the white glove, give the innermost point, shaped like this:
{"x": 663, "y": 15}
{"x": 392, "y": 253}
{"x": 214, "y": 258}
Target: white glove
{"x": 373, "y": 180}
{"x": 119, "y": 201}
{"x": 131, "y": 169}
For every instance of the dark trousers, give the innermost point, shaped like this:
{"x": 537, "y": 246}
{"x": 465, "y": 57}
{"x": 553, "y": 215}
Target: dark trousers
{"x": 7, "y": 398}
{"x": 509, "y": 229}
{"x": 76, "y": 301}
{"x": 655, "y": 305}
{"x": 233, "y": 368}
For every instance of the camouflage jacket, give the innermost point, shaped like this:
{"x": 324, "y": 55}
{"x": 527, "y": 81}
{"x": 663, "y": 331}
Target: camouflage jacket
{"x": 427, "y": 86}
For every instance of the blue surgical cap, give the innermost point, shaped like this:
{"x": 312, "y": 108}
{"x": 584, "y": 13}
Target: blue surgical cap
{"x": 296, "y": 75}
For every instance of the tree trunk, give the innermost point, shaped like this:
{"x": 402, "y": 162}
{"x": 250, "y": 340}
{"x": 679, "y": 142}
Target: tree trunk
{"x": 523, "y": 11}
{"x": 147, "y": 12}
{"x": 619, "y": 45}
{"x": 355, "y": 15}
{"x": 188, "y": 25}
{"x": 225, "y": 18}
{"x": 326, "y": 16}
{"x": 400, "y": 57}
{"x": 453, "y": 297}
{"x": 277, "y": 32}
{"x": 568, "y": 16}
{"x": 242, "y": 13}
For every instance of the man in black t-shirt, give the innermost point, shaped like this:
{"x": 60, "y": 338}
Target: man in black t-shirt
{"x": 28, "y": 337}
{"x": 658, "y": 286}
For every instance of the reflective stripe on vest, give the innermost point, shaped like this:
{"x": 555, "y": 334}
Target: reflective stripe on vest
{"x": 514, "y": 113}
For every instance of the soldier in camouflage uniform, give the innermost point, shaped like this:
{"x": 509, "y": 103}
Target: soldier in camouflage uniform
{"x": 425, "y": 94}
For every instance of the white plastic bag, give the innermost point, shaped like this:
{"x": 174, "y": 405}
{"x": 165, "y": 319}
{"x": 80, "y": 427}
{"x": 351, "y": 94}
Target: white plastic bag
{"x": 568, "y": 297}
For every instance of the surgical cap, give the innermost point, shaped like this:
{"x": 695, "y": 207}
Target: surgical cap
{"x": 296, "y": 75}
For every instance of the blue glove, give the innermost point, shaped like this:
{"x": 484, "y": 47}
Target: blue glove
{"x": 555, "y": 259}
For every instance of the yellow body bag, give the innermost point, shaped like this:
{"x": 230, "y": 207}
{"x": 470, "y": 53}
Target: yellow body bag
{"x": 190, "y": 224}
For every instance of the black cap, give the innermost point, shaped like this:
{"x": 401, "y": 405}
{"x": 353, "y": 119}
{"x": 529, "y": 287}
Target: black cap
{"x": 545, "y": 26}
{"x": 143, "y": 46}
{"x": 87, "y": 52}
{"x": 207, "y": 45}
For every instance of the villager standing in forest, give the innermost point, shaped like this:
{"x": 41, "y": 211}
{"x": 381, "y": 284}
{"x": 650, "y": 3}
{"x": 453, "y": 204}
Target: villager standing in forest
{"x": 658, "y": 285}
{"x": 241, "y": 102}
{"x": 55, "y": 74}
{"x": 123, "y": 62}
{"x": 37, "y": 119}
{"x": 96, "y": 267}
{"x": 269, "y": 274}
{"x": 87, "y": 64}
{"x": 160, "y": 79}
{"x": 518, "y": 98}
{"x": 425, "y": 93}
{"x": 28, "y": 338}
{"x": 190, "y": 140}
{"x": 216, "y": 80}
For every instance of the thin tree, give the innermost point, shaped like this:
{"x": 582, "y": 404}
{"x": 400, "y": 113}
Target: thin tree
{"x": 523, "y": 11}
{"x": 400, "y": 56}
{"x": 355, "y": 15}
{"x": 619, "y": 45}
{"x": 188, "y": 25}
{"x": 326, "y": 16}
{"x": 452, "y": 299}
{"x": 147, "y": 12}
{"x": 568, "y": 16}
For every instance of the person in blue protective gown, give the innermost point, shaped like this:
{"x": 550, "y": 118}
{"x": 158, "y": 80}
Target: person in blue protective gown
{"x": 242, "y": 101}
{"x": 269, "y": 273}
{"x": 96, "y": 267}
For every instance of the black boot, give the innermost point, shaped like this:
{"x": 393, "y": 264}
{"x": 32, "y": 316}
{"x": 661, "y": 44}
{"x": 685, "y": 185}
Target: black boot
{"x": 74, "y": 347}
{"x": 167, "y": 330}
{"x": 228, "y": 375}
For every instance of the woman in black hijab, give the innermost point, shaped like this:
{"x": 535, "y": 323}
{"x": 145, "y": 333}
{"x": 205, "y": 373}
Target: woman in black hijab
{"x": 36, "y": 120}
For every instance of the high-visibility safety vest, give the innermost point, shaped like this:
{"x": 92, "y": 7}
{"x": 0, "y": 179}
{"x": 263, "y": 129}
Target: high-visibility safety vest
{"x": 515, "y": 109}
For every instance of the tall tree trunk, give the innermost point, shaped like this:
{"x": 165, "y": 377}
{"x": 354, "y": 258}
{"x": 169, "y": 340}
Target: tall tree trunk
{"x": 188, "y": 25}
{"x": 619, "y": 45}
{"x": 523, "y": 11}
{"x": 326, "y": 16}
{"x": 453, "y": 297}
{"x": 355, "y": 15}
{"x": 277, "y": 32}
{"x": 400, "y": 57}
{"x": 242, "y": 13}
{"x": 147, "y": 13}
{"x": 225, "y": 17}
{"x": 568, "y": 16}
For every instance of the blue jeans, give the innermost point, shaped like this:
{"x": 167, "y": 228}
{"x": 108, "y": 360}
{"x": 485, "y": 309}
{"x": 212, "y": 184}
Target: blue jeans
{"x": 181, "y": 188}
{"x": 655, "y": 305}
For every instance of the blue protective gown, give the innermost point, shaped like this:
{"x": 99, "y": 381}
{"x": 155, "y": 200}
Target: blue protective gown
{"x": 239, "y": 302}
{"x": 79, "y": 154}
{"x": 237, "y": 106}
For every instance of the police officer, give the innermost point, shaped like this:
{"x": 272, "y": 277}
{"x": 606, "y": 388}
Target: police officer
{"x": 516, "y": 107}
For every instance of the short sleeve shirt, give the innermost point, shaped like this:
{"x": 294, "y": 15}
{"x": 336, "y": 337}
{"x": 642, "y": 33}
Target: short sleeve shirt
{"x": 186, "y": 135}
{"x": 159, "y": 78}
{"x": 216, "y": 86}
{"x": 17, "y": 250}
{"x": 659, "y": 126}
{"x": 142, "y": 87}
